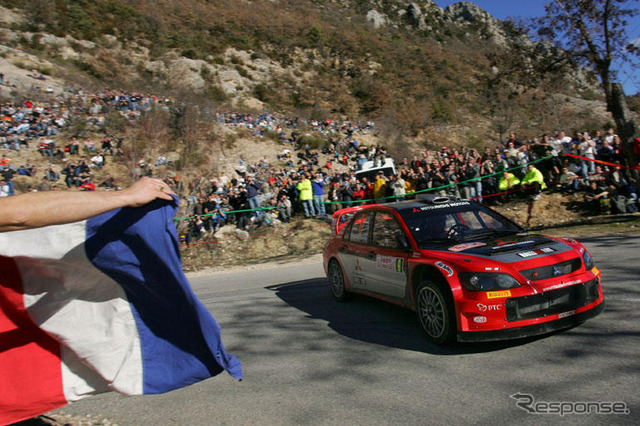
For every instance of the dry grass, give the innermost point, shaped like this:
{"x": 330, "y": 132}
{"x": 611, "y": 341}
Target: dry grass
{"x": 280, "y": 242}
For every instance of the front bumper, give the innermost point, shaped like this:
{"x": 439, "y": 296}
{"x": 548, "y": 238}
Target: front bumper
{"x": 531, "y": 330}
{"x": 552, "y": 302}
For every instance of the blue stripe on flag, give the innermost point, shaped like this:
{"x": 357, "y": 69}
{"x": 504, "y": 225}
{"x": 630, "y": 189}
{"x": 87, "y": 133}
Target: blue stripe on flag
{"x": 180, "y": 339}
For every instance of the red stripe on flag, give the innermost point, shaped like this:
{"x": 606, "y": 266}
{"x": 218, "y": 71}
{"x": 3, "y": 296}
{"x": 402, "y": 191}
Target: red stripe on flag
{"x": 30, "y": 367}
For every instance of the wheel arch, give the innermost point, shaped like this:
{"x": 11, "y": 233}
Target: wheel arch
{"x": 334, "y": 258}
{"x": 345, "y": 277}
{"x": 427, "y": 271}
{"x": 448, "y": 288}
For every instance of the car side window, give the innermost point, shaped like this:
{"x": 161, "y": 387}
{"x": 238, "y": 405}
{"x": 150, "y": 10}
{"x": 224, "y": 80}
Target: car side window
{"x": 491, "y": 222}
{"x": 359, "y": 231}
{"x": 470, "y": 219}
{"x": 386, "y": 231}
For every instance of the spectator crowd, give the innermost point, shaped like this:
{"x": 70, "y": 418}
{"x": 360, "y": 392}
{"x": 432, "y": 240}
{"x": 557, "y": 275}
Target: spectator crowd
{"x": 512, "y": 169}
{"x": 311, "y": 181}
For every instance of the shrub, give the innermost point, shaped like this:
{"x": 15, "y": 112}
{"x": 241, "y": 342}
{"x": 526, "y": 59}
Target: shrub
{"x": 20, "y": 64}
{"x": 314, "y": 142}
{"x": 230, "y": 140}
{"x": 272, "y": 134}
{"x": 115, "y": 122}
{"x": 215, "y": 93}
{"x": 236, "y": 60}
{"x": 243, "y": 72}
{"x": 260, "y": 91}
{"x": 87, "y": 67}
{"x": 441, "y": 112}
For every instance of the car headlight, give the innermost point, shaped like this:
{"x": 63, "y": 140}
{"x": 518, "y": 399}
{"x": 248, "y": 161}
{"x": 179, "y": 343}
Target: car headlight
{"x": 487, "y": 281}
{"x": 587, "y": 260}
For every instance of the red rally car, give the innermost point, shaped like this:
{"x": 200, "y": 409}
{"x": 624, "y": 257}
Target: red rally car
{"x": 470, "y": 273}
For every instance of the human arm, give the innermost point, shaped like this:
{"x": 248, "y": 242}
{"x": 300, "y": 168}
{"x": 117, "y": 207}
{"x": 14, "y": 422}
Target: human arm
{"x": 602, "y": 194}
{"x": 37, "y": 209}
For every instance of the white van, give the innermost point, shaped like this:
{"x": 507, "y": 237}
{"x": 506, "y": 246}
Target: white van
{"x": 370, "y": 169}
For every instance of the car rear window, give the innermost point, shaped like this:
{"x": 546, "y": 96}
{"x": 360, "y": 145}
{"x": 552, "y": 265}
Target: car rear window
{"x": 359, "y": 230}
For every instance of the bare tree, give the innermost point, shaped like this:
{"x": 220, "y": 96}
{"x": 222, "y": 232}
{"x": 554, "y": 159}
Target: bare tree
{"x": 594, "y": 32}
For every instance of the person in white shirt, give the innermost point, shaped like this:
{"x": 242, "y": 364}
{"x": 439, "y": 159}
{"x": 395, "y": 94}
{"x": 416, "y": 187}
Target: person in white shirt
{"x": 587, "y": 149}
{"x": 97, "y": 160}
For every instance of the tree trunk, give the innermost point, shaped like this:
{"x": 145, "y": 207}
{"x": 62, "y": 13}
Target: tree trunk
{"x": 626, "y": 128}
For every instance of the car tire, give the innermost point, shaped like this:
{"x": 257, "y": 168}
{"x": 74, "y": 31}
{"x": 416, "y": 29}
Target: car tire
{"x": 336, "y": 281}
{"x": 435, "y": 312}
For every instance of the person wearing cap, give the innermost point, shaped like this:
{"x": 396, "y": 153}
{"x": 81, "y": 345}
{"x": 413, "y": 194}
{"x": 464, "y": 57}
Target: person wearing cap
{"x": 445, "y": 152}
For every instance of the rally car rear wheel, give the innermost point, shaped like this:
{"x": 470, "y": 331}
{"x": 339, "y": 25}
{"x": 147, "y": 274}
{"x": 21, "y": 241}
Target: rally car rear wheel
{"x": 435, "y": 313}
{"x": 336, "y": 281}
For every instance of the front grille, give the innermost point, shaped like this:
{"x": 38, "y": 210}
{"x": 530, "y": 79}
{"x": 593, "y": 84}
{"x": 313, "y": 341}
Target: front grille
{"x": 552, "y": 302}
{"x": 552, "y": 271}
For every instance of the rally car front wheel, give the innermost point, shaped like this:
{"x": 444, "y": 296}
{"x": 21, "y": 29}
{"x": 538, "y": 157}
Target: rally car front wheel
{"x": 435, "y": 313}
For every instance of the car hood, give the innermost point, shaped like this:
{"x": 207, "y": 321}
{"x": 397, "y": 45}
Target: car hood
{"x": 514, "y": 248}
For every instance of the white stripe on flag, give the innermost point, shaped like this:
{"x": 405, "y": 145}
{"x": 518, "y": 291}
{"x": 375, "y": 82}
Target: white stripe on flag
{"x": 90, "y": 317}
{"x": 51, "y": 242}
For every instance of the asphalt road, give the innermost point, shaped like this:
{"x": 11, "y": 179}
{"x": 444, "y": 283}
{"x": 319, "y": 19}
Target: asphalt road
{"x": 310, "y": 360}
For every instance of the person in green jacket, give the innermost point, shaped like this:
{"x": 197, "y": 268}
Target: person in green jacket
{"x": 533, "y": 182}
{"x": 306, "y": 195}
{"x": 508, "y": 181}
{"x": 506, "y": 185}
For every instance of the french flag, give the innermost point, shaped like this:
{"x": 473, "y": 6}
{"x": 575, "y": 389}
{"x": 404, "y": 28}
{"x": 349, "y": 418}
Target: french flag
{"x": 100, "y": 305}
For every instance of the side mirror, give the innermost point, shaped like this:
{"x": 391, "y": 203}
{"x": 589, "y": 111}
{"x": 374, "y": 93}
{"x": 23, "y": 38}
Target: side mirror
{"x": 402, "y": 241}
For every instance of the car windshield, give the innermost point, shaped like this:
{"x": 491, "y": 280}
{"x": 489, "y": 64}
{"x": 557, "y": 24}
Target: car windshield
{"x": 435, "y": 225}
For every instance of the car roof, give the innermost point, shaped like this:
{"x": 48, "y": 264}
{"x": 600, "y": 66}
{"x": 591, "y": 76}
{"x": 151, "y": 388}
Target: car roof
{"x": 423, "y": 200}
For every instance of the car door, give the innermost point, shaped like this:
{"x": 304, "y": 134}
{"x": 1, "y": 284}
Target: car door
{"x": 355, "y": 249}
{"x": 387, "y": 268}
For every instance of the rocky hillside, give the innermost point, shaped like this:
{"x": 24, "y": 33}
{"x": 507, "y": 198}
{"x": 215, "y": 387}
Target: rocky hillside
{"x": 426, "y": 77}
{"x": 423, "y": 73}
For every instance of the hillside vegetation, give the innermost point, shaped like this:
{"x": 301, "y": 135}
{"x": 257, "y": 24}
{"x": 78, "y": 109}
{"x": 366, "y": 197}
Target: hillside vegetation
{"x": 424, "y": 74}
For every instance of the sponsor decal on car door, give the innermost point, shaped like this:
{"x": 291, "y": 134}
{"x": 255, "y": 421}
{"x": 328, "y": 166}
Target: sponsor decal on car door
{"x": 389, "y": 273}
